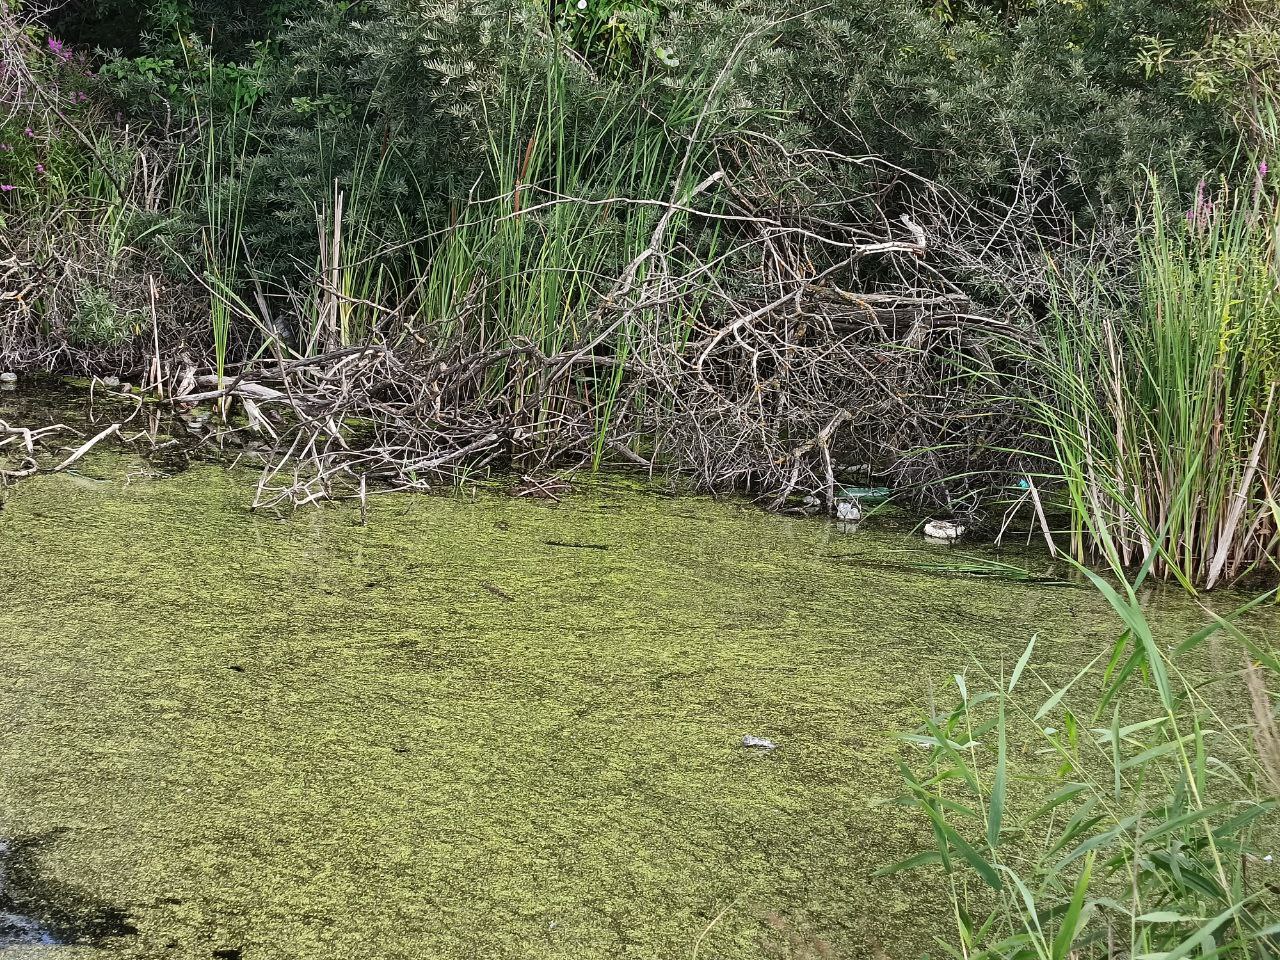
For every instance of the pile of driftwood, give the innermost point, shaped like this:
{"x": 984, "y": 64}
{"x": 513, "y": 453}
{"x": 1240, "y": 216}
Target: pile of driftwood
{"x": 833, "y": 351}
{"x": 829, "y": 338}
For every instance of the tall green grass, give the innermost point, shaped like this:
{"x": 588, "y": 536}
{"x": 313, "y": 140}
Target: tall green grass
{"x": 213, "y": 182}
{"x": 574, "y": 194}
{"x": 1127, "y": 813}
{"x": 357, "y": 286}
{"x": 1160, "y": 406}
{"x": 578, "y": 173}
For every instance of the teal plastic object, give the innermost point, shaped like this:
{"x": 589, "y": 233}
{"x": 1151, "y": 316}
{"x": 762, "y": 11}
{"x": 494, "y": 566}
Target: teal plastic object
{"x": 866, "y": 494}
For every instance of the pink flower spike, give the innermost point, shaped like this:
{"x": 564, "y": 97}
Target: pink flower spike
{"x": 1262, "y": 169}
{"x": 7, "y": 187}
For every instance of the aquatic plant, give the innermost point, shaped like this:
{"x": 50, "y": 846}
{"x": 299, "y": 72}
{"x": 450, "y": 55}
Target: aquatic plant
{"x": 219, "y": 178}
{"x": 1158, "y": 401}
{"x": 1141, "y": 823}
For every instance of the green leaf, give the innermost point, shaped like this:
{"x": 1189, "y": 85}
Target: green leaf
{"x": 1054, "y": 700}
{"x": 1115, "y": 752}
{"x": 1202, "y": 936}
{"x": 1219, "y": 623}
{"x": 1131, "y": 614}
{"x": 1151, "y": 753}
{"x": 1069, "y": 792}
{"x": 1022, "y": 663}
{"x": 1095, "y": 842}
{"x": 1074, "y": 919}
{"x": 984, "y": 869}
{"x": 1242, "y": 820}
{"x": 995, "y": 808}
{"x": 1183, "y": 820}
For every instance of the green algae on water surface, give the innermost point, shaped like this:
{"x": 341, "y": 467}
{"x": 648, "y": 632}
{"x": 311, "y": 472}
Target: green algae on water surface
{"x": 455, "y": 733}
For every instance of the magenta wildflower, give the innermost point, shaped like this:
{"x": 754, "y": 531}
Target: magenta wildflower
{"x": 7, "y": 187}
{"x": 59, "y": 49}
{"x": 5, "y": 148}
{"x": 28, "y": 132}
{"x": 1263, "y": 168}
{"x": 39, "y": 168}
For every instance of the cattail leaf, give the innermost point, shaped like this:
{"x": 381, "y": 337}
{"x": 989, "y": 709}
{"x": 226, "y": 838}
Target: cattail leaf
{"x": 995, "y": 805}
{"x": 1022, "y": 663}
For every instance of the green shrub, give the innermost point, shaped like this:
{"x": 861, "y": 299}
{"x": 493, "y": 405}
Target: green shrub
{"x": 1049, "y": 100}
{"x": 98, "y": 321}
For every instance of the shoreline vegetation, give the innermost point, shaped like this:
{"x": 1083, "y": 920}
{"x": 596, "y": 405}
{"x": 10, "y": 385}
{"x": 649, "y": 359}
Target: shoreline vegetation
{"x": 408, "y": 242}
{"x": 1013, "y": 265}
{"x": 1142, "y": 828}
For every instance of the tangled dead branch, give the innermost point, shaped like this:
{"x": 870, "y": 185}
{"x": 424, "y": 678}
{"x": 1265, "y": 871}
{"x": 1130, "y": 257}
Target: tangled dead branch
{"x": 802, "y": 355}
{"x": 781, "y": 332}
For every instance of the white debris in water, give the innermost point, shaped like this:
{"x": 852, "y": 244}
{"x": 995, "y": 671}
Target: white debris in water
{"x": 760, "y": 743}
{"x": 943, "y": 530}
{"x": 848, "y": 511}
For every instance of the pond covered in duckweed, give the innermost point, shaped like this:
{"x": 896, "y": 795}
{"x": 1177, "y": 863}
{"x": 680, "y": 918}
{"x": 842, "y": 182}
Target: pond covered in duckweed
{"x": 478, "y": 726}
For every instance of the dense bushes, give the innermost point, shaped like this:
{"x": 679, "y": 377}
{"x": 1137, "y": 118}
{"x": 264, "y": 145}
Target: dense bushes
{"x": 989, "y": 101}
{"x": 391, "y": 98}
{"x": 1052, "y": 98}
